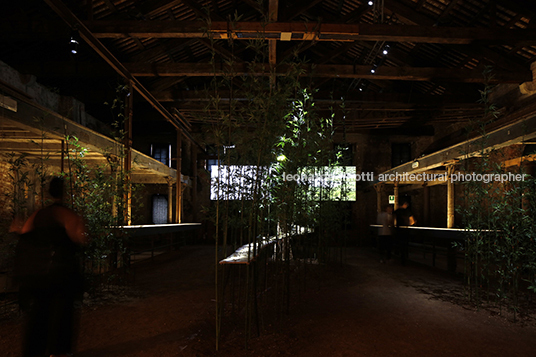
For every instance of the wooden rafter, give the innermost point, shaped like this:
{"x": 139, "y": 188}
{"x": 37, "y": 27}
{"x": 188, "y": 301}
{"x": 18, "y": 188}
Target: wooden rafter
{"x": 355, "y": 15}
{"x": 165, "y": 83}
{"x": 152, "y": 8}
{"x": 391, "y": 99}
{"x": 312, "y": 31}
{"x": 299, "y": 8}
{"x": 339, "y": 71}
{"x": 200, "y": 13}
{"x": 335, "y": 53}
{"x": 162, "y": 48}
{"x": 139, "y": 69}
{"x": 273, "y": 11}
{"x": 177, "y": 120}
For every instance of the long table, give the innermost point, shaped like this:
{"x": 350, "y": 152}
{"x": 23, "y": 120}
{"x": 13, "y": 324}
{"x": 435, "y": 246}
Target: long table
{"x": 435, "y": 239}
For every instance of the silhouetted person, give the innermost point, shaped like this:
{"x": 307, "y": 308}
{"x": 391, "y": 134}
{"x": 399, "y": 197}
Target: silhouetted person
{"x": 403, "y": 218}
{"x": 385, "y": 232}
{"x": 48, "y": 292}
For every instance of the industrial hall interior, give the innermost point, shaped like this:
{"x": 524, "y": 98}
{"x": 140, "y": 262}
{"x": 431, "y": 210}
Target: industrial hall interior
{"x": 266, "y": 177}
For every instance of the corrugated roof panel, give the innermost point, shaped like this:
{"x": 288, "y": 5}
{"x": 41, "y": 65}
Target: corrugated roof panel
{"x": 340, "y": 8}
{"x": 350, "y": 6}
{"x": 122, "y": 5}
{"x": 434, "y": 8}
{"x": 405, "y": 47}
{"x": 507, "y": 12}
{"x": 101, "y": 10}
{"x": 126, "y": 45}
{"x": 451, "y": 59}
{"x": 467, "y": 12}
{"x": 523, "y": 23}
{"x": 527, "y": 53}
{"x": 472, "y": 63}
{"x": 180, "y": 12}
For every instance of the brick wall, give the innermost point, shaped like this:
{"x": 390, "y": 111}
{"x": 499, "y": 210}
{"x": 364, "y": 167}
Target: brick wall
{"x": 6, "y": 189}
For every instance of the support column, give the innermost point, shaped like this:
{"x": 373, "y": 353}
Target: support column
{"x": 396, "y": 195}
{"x": 62, "y": 157}
{"x": 178, "y": 205}
{"x": 194, "y": 183}
{"x": 273, "y": 9}
{"x": 170, "y": 200}
{"x": 450, "y": 198}
{"x": 128, "y": 154}
{"x": 451, "y": 251}
{"x": 379, "y": 190}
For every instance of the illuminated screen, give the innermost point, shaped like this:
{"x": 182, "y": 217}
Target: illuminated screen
{"x": 329, "y": 183}
{"x": 233, "y": 182}
{"x": 324, "y": 183}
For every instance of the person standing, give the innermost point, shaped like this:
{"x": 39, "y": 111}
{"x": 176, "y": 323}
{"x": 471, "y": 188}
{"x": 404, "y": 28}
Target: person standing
{"x": 385, "y": 233}
{"x": 49, "y": 292}
{"x": 403, "y": 218}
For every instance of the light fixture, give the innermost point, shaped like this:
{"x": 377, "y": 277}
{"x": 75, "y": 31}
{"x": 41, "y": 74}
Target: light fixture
{"x": 371, "y": 3}
{"x": 281, "y": 158}
{"x": 74, "y": 42}
{"x": 373, "y": 69}
{"x": 386, "y": 49}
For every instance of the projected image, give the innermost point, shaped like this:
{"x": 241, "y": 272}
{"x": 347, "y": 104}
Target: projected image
{"x": 325, "y": 183}
{"x": 233, "y": 182}
{"x": 322, "y": 183}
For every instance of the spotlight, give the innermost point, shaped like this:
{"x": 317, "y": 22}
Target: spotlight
{"x": 74, "y": 46}
{"x": 386, "y": 50}
{"x": 371, "y": 3}
{"x": 373, "y": 69}
{"x": 73, "y": 43}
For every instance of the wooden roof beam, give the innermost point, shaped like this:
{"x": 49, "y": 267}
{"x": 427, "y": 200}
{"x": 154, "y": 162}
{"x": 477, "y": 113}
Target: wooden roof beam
{"x": 333, "y": 71}
{"x": 320, "y": 71}
{"x": 273, "y": 15}
{"x": 516, "y": 133}
{"x": 312, "y": 31}
{"x": 392, "y": 99}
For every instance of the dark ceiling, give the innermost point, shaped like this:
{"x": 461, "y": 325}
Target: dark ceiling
{"x": 432, "y": 73}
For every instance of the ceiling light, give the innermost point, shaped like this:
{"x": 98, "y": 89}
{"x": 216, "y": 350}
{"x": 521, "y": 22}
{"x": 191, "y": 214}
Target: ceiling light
{"x": 74, "y": 42}
{"x": 74, "y": 46}
{"x": 371, "y": 3}
{"x": 386, "y": 50}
